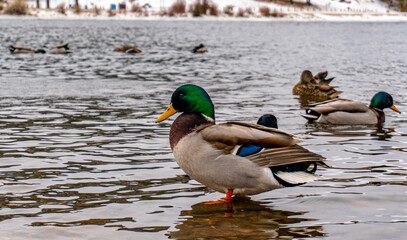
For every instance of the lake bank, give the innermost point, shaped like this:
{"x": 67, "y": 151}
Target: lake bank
{"x": 227, "y": 10}
{"x": 285, "y": 16}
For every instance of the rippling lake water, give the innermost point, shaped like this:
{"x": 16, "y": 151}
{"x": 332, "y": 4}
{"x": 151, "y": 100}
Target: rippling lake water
{"x": 82, "y": 158}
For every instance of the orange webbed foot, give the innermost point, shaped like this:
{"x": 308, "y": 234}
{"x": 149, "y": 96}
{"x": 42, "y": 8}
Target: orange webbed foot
{"x": 227, "y": 200}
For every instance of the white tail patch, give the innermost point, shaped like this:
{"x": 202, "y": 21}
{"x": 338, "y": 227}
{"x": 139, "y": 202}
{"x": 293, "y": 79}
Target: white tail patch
{"x": 310, "y": 117}
{"x": 296, "y": 177}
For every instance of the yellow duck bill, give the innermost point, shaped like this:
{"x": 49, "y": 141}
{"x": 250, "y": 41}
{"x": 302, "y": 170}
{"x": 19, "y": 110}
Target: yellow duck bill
{"x": 395, "y": 109}
{"x": 168, "y": 113}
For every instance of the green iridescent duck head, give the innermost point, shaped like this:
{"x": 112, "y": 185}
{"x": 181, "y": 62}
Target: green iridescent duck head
{"x": 189, "y": 99}
{"x": 382, "y": 100}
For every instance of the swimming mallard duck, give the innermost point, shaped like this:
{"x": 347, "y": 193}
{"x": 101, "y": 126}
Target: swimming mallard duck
{"x": 19, "y": 49}
{"x": 309, "y": 87}
{"x": 344, "y": 111}
{"x": 199, "y": 49}
{"x": 207, "y": 151}
{"x": 128, "y": 49}
{"x": 60, "y": 49}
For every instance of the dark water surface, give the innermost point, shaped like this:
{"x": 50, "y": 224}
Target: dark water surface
{"x": 81, "y": 156}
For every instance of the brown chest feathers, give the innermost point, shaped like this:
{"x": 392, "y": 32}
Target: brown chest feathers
{"x": 379, "y": 114}
{"x": 184, "y": 125}
{"x": 316, "y": 90}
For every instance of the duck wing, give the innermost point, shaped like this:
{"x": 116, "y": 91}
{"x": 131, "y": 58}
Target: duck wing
{"x": 328, "y": 90}
{"x": 289, "y": 164}
{"x": 65, "y": 45}
{"x": 273, "y": 157}
{"x": 228, "y": 136}
{"x": 20, "y": 48}
{"x": 325, "y": 88}
{"x": 327, "y": 80}
{"x": 338, "y": 104}
{"x": 322, "y": 75}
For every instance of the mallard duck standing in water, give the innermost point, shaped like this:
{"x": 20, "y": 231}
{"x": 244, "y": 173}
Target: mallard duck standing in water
{"x": 199, "y": 49}
{"x": 19, "y": 49}
{"x": 309, "y": 87}
{"x": 60, "y": 49}
{"x": 207, "y": 151}
{"x": 128, "y": 49}
{"x": 344, "y": 111}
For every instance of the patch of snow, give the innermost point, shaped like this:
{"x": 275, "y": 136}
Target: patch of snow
{"x": 329, "y": 10}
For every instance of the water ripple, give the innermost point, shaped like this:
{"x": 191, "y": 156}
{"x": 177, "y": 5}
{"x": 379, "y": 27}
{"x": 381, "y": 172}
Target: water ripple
{"x": 81, "y": 155}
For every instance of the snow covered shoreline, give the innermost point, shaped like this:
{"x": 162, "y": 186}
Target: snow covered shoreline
{"x": 319, "y": 10}
{"x": 316, "y": 17}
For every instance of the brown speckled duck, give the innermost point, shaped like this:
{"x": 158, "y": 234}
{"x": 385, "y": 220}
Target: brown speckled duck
{"x": 209, "y": 152}
{"x": 128, "y": 49}
{"x": 309, "y": 87}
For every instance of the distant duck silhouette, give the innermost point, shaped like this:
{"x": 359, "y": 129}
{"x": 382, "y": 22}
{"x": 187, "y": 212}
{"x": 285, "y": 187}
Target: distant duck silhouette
{"x": 128, "y": 49}
{"x": 200, "y": 49}
{"x": 19, "y": 49}
{"x": 309, "y": 87}
{"x": 60, "y": 49}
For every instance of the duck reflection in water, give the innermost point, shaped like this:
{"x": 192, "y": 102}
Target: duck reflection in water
{"x": 383, "y": 134}
{"x": 251, "y": 220}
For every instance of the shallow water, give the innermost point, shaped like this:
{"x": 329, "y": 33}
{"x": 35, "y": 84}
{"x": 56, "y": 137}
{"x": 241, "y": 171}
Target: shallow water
{"x": 81, "y": 156}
